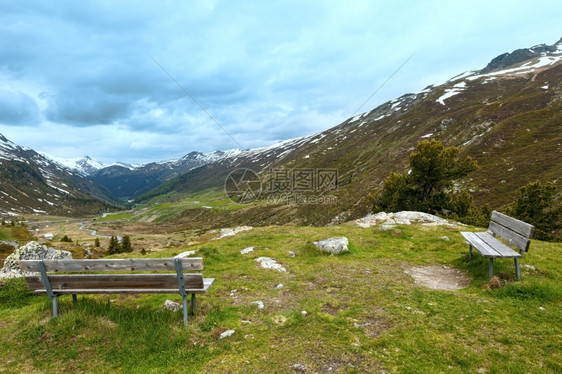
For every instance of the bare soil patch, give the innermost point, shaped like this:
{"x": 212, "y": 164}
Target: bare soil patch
{"x": 439, "y": 277}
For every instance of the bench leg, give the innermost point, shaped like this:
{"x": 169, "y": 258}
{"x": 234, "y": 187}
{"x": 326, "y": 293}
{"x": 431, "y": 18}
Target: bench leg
{"x": 55, "y": 307}
{"x": 491, "y": 268}
{"x": 517, "y": 269}
{"x": 193, "y": 303}
{"x": 74, "y": 300}
{"x": 184, "y": 310}
{"x": 470, "y": 251}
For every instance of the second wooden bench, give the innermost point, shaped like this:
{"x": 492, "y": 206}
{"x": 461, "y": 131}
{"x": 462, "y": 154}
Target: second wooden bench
{"x": 513, "y": 231}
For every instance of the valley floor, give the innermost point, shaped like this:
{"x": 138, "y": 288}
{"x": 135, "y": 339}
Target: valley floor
{"x": 360, "y": 312}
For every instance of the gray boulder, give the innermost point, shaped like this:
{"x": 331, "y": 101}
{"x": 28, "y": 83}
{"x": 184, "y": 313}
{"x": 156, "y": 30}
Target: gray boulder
{"x": 333, "y": 245}
{"x": 30, "y": 251}
{"x": 172, "y": 306}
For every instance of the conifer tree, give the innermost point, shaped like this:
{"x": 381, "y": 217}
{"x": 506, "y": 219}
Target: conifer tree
{"x": 126, "y": 244}
{"x": 114, "y": 246}
{"x": 426, "y": 187}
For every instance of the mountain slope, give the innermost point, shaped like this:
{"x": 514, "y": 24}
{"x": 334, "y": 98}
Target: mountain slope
{"x": 130, "y": 181}
{"x": 506, "y": 116}
{"x": 33, "y": 184}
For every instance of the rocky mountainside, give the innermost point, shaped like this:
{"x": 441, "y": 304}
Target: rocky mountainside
{"x": 507, "y": 116}
{"x": 129, "y": 181}
{"x": 33, "y": 184}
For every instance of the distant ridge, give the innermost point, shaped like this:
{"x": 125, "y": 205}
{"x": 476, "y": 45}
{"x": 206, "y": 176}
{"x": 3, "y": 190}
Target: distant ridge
{"x": 508, "y": 116}
{"x": 33, "y": 184}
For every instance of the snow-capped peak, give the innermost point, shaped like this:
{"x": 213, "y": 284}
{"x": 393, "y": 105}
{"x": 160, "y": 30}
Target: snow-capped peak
{"x": 83, "y": 165}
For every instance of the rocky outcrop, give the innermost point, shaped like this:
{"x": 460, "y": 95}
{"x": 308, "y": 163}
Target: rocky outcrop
{"x": 223, "y": 233}
{"x": 333, "y": 245}
{"x": 519, "y": 55}
{"x": 30, "y": 251}
{"x": 399, "y": 218}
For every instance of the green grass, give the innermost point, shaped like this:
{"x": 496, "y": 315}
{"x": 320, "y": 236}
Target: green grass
{"x": 116, "y": 216}
{"x": 364, "y": 313}
{"x": 5, "y": 233}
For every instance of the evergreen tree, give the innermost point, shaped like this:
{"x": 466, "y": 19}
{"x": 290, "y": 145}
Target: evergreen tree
{"x": 433, "y": 169}
{"x": 97, "y": 242}
{"x": 114, "y": 246}
{"x": 536, "y": 205}
{"x": 126, "y": 244}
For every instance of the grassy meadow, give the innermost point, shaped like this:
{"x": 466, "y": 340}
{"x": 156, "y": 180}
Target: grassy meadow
{"x": 358, "y": 312}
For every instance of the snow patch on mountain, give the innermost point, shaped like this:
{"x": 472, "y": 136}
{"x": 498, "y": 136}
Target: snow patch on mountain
{"x": 450, "y": 92}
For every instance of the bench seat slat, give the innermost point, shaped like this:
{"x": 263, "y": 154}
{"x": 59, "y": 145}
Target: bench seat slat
{"x": 481, "y": 246}
{"x": 122, "y": 264}
{"x": 502, "y": 249}
{"x": 207, "y": 284}
{"x": 115, "y": 281}
{"x": 488, "y": 246}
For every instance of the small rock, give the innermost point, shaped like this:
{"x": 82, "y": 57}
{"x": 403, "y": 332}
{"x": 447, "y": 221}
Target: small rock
{"x": 87, "y": 252}
{"x": 333, "y": 245}
{"x": 260, "y": 304}
{"x": 291, "y": 254}
{"x": 247, "y": 250}
{"x": 299, "y": 367}
{"x": 279, "y": 286}
{"x": 246, "y": 322}
{"x": 304, "y": 313}
{"x": 444, "y": 237}
{"x": 226, "y": 334}
{"x": 541, "y": 307}
{"x": 172, "y": 306}
{"x": 362, "y": 324}
{"x": 530, "y": 267}
{"x": 269, "y": 263}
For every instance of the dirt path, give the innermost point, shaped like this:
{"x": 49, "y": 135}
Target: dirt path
{"x": 439, "y": 277}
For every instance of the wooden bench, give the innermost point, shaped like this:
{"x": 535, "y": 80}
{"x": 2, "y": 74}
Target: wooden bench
{"x": 55, "y": 285}
{"x": 513, "y": 231}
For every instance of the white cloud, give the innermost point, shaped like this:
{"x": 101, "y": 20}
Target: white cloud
{"x": 265, "y": 70}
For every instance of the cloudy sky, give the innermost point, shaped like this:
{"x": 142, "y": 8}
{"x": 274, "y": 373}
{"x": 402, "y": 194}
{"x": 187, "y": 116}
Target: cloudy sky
{"x": 91, "y": 77}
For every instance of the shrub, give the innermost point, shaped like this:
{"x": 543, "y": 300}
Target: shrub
{"x": 536, "y": 204}
{"x": 426, "y": 187}
{"x": 66, "y": 239}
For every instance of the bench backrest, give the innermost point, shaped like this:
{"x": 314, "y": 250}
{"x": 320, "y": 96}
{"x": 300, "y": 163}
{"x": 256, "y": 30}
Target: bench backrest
{"x": 106, "y": 283}
{"x": 120, "y": 264}
{"x": 514, "y": 231}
